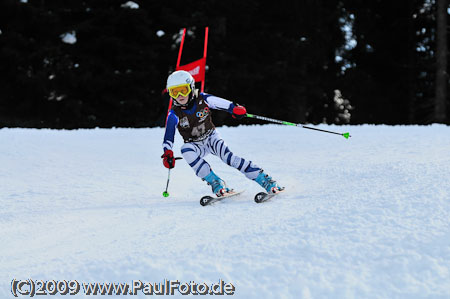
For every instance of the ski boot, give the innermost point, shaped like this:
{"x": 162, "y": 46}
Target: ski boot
{"x": 217, "y": 184}
{"x": 267, "y": 183}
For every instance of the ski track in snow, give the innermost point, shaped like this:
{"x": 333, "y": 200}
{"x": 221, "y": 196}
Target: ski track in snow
{"x": 367, "y": 217}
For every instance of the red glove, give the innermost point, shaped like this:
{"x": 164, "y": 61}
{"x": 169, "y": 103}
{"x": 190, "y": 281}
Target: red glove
{"x": 239, "y": 112}
{"x": 168, "y": 159}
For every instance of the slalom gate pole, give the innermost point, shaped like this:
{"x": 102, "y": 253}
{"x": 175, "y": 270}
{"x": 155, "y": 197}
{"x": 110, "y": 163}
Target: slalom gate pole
{"x": 166, "y": 193}
{"x": 181, "y": 47}
{"x": 346, "y": 135}
{"x": 180, "y": 51}
{"x": 204, "y": 56}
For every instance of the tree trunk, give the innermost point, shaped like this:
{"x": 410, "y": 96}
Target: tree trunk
{"x": 440, "y": 109}
{"x": 411, "y": 64}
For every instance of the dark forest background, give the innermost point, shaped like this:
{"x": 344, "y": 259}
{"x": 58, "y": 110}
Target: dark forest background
{"x": 306, "y": 61}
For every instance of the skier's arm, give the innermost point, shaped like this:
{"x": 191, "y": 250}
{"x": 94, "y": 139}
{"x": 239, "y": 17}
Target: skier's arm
{"x": 218, "y": 103}
{"x": 169, "y": 135}
{"x": 221, "y": 104}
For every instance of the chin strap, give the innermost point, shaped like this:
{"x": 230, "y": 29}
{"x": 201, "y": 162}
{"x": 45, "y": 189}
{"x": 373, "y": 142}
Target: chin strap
{"x": 190, "y": 102}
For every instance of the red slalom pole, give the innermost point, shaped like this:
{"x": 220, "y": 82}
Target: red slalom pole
{"x": 180, "y": 51}
{"x": 204, "y": 56}
{"x": 181, "y": 48}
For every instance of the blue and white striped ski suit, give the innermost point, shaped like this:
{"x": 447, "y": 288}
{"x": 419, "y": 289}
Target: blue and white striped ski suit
{"x": 194, "y": 152}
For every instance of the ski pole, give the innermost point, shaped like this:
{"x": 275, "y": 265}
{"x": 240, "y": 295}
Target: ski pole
{"x": 165, "y": 193}
{"x": 346, "y": 135}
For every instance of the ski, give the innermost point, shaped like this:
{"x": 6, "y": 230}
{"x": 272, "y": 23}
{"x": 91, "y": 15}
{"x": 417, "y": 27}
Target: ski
{"x": 207, "y": 200}
{"x": 263, "y": 196}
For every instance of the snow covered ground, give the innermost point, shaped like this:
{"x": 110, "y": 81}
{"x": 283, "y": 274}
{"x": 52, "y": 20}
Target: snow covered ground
{"x": 367, "y": 217}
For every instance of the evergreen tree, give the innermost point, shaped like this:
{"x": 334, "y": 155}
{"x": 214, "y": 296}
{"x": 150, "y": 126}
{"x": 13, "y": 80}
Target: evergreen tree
{"x": 104, "y": 63}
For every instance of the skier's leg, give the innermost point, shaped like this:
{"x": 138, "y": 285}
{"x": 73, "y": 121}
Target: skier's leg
{"x": 193, "y": 153}
{"x": 218, "y": 147}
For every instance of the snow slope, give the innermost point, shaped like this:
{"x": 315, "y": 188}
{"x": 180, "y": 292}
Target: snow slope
{"x": 366, "y": 217}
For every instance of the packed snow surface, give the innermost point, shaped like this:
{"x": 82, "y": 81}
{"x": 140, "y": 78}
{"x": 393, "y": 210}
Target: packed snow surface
{"x": 367, "y": 217}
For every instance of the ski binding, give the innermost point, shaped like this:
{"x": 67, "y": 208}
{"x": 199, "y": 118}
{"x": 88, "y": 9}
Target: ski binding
{"x": 207, "y": 200}
{"x": 263, "y": 196}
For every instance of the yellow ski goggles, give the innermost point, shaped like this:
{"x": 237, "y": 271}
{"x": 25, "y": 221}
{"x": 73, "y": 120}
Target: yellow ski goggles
{"x": 183, "y": 89}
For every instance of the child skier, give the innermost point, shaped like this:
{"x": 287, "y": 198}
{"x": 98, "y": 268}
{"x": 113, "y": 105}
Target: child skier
{"x": 191, "y": 114}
